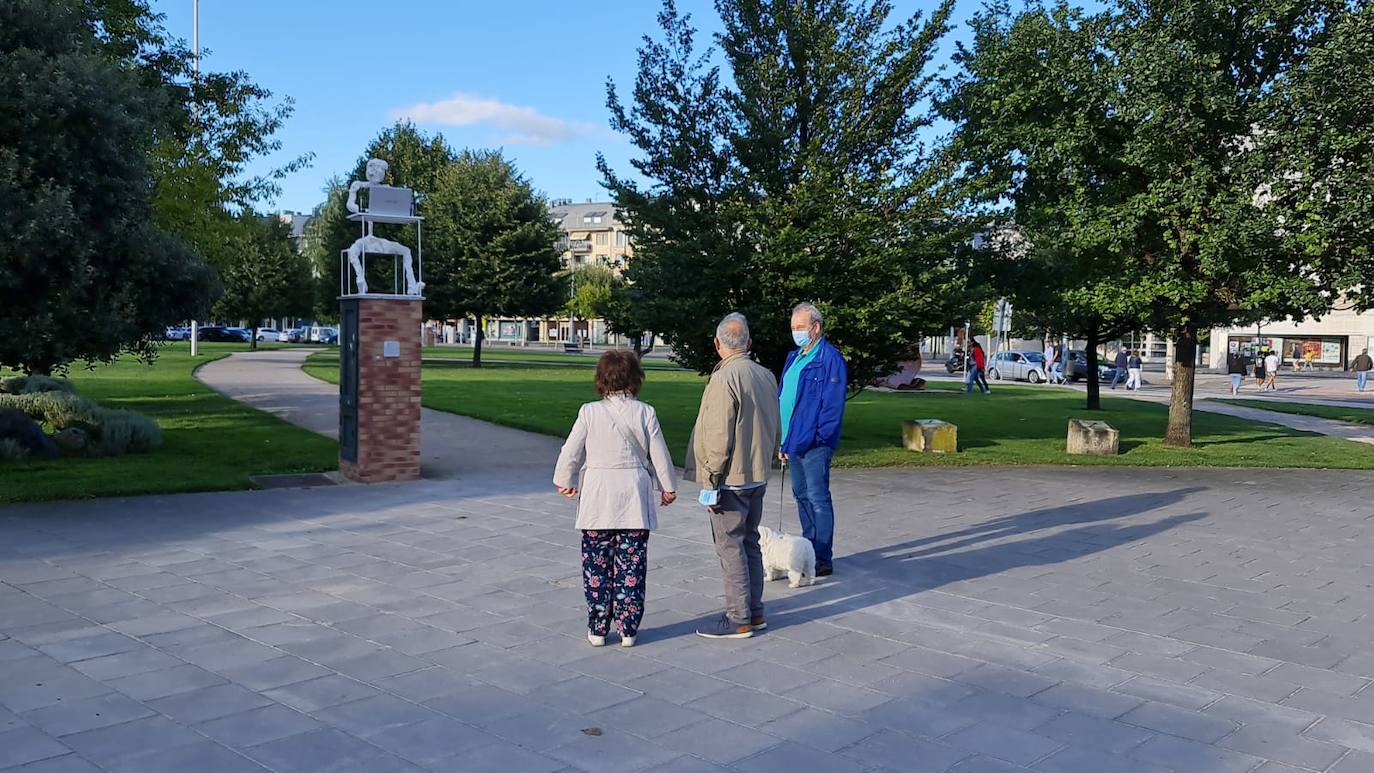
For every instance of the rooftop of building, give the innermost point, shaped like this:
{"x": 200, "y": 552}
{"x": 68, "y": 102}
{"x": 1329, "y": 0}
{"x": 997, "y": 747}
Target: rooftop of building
{"x": 586, "y": 216}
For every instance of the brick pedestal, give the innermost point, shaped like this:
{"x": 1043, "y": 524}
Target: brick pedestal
{"x": 386, "y": 355}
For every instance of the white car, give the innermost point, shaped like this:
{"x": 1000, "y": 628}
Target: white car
{"x": 284, "y": 337}
{"x": 1018, "y": 366}
{"x": 268, "y": 334}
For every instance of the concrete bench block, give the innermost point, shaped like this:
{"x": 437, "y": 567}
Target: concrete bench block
{"x": 930, "y": 436}
{"x": 1087, "y": 436}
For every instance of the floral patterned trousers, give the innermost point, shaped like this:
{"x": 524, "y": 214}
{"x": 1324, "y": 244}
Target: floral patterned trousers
{"x": 614, "y": 567}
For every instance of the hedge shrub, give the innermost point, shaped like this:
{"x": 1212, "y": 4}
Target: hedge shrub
{"x": 112, "y": 432}
{"x": 26, "y": 385}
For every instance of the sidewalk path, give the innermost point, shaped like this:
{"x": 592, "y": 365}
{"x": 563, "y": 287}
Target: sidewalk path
{"x": 451, "y": 446}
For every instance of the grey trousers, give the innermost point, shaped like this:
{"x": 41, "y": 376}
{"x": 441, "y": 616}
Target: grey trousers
{"x": 735, "y": 530}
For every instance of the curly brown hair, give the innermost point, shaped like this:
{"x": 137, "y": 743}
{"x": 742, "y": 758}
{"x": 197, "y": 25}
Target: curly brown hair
{"x": 618, "y": 372}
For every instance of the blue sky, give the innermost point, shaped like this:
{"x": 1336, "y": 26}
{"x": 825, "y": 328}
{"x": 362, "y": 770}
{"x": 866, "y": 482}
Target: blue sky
{"x": 526, "y": 76}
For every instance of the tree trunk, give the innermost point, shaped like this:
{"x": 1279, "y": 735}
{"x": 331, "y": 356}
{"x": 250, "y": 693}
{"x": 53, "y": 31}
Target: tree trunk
{"x": 477, "y": 336}
{"x": 1179, "y": 433}
{"x": 253, "y": 342}
{"x": 1094, "y": 387}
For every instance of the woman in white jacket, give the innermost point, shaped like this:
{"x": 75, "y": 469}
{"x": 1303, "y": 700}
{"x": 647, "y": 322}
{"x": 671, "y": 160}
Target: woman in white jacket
{"x": 617, "y": 448}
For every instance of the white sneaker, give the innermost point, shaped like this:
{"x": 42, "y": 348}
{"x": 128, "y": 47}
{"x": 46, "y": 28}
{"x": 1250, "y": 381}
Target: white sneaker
{"x": 627, "y": 641}
{"x": 596, "y": 641}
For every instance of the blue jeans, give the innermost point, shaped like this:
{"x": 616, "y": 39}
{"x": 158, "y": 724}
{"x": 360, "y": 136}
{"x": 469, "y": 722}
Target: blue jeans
{"x": 1362, "y": 378}
{"x": 811, "y": 487}
{"x": 1119, "y": 377}
{"x": 1235, "y": 381}
{"x": 975, "y": 376}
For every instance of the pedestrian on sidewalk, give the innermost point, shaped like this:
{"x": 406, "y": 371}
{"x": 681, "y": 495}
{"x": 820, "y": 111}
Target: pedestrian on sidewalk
{"x": 1259, "y": 368}
{"x": 616, "y": 448}
{"x": 978, "y": 363}
{"x": 1134, "y": 366}
{"x": 730, "y": 454}
{"x": 1271, "y": 370}
{"x": 1362, "y": 364}
{"x": 1235, "y": 366}
{"x": 811, "y": 404}
{"x": 1120, "y": 363}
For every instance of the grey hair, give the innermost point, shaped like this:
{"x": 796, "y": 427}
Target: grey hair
{"x": 733, "y": 332}
{"x": 811, "y": 310}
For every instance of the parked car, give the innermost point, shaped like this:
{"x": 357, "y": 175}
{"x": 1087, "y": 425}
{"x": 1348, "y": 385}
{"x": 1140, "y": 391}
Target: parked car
{"x": 284, "y": 336}
{"x": 296, "y": 335}
{"x": 227, "y": 335}
{"x": 329, "y": 335}
{"x": 1018, "y": 366}
{"x": 176, "y": 334}
{"x": 268, "y": 333}
{"x": 1077, "y": 369}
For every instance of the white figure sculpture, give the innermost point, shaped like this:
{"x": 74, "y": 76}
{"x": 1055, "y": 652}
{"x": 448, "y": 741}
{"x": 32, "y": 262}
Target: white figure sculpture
{"x": 376, "y": 172}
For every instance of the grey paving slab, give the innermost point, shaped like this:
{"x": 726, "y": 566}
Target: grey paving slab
{"x": 1142, "y": 617}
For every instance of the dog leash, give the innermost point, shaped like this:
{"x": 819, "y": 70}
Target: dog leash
{"x": 782, "y": 494}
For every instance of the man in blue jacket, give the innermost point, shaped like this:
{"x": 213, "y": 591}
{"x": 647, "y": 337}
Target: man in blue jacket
{"x": 811, "y": 401}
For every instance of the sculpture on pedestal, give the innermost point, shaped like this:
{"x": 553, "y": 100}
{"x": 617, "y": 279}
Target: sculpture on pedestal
{"x": 385, "y": 204}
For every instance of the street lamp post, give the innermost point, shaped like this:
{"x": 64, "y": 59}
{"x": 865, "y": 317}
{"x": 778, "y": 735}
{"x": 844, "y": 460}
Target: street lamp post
{"x": 195, "y": 44}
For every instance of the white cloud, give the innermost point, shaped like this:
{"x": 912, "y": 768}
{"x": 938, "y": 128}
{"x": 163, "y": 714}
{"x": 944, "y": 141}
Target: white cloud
{"x": 522, "y": 125}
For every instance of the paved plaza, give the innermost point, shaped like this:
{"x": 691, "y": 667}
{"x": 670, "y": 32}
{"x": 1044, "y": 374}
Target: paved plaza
{"x": 979, "y": 620}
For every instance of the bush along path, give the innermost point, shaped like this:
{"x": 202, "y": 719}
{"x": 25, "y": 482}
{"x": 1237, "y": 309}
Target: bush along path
{"x": 146, "y": 429}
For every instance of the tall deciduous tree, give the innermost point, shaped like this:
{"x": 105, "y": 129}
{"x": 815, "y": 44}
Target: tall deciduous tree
{"x": 264, "y": 276}
{"x": 593, "y": 291}
{"x": 85, "y": 272}
{"x": 807, "y": 180}
{"x": 491, "y": 244}
{"x": 1037, "y": 167}
{"x": 1176, "y": 175}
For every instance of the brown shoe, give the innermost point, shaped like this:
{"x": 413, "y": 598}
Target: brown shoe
{"x": 824, "y": 570}
{"x": 758, "y": 622}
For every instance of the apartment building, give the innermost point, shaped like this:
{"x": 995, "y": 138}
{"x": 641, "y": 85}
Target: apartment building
{"x": 592, "y": 234}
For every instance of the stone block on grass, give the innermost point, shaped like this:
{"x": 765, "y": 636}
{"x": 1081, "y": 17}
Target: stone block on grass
{"x": 1093, "y": 437}
{"x": 930, "y": 436}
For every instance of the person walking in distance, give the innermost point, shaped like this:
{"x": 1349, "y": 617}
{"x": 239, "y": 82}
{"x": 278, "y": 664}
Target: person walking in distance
{"x": 1235, "y": 367}
{"x": 1134, "y": 366}
{"x": 1362, "y": 364}
{"x": 1259, "y": 368}
{"x": 978, "y": 363}
{"x": 1120, "y": 374}
{"x": 730, "y": 455}
{"x": 1271, "y": 370}
{"x": 811, "y": 405}
{"x": 613, "y": 457}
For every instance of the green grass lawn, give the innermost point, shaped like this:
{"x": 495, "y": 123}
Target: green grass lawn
{"x": 1013, "y": 425}
{"x": 1336, "y": 412}
{"x": 506, "y": 355}
{"x": 210, "y": 442}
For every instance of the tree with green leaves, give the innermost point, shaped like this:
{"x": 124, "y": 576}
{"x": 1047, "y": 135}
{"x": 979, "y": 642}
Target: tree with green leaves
{"x": 264, "y": 276}
{"x": 805, "y": 180}
{"x": 1037, "y": 177}
{"x": 593, "y": 290}
{"x": 1154, "y": 165}
{"x": 86, "y": 271}
{"x": 490, "y": 245}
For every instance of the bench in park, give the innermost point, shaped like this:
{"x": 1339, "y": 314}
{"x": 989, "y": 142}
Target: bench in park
{"x": 571, "y": 348}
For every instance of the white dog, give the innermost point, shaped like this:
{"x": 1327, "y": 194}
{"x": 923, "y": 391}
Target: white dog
{"x": 787, "y": 556}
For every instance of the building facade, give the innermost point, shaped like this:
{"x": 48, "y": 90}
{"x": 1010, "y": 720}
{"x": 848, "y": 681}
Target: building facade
{"x": 1329, "y": 343}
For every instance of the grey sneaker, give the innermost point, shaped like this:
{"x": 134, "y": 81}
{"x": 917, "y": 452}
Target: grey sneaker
{"x": 722, "y": 628}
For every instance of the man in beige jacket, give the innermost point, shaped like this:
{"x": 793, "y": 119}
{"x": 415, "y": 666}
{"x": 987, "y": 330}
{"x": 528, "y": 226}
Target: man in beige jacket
{"x": 732, "y": 450}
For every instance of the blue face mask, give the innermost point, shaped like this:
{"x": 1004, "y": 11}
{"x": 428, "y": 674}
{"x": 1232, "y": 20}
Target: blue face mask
{"x": 801, "y": 337}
